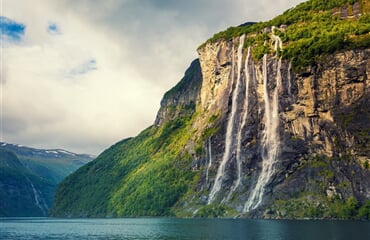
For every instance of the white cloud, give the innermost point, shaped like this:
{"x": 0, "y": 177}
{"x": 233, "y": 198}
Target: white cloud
{"x": 89, "y": 73}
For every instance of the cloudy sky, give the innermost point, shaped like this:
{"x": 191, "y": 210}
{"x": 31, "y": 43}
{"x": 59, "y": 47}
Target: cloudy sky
{"x": 84, "y": 74}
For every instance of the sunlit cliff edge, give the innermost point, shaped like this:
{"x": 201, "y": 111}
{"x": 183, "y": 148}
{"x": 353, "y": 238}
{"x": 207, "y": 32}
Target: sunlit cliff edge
{"x": 272, "y": 121}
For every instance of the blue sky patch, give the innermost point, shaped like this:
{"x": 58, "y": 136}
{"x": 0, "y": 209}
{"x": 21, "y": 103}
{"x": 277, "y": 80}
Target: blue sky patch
{"x": 11, "y": 29}
{"x": 84, "y": 68}
{"x": 53, "y": 28}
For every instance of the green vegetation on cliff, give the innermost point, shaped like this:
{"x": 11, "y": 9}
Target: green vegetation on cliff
{"x": 169, "y": 168}
{"x": 141, "y": 176}
{"x": 19, "y": 188}
{"x": 29, "y": 178}
{"x": 310, "y": 30}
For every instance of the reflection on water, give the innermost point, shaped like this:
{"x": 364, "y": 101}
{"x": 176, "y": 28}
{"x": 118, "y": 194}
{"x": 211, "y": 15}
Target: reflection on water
{"x": 166, "y": 228}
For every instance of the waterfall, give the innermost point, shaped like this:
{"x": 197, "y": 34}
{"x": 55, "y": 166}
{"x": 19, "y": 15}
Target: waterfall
{"x": 270, "y": 139}
{"x": 244, "y": 121}
{"x": 209, "y": 159}
{"x": 37, "y": 199}
{"x": 278, "y": 42}
{"x": 230, "y": 126}
{"x": 289, "y": 79}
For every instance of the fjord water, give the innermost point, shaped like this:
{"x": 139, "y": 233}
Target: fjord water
{"x": 166, "y": 228}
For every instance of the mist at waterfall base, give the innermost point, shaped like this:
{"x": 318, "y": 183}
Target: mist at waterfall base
{"x": 164, "y": 228}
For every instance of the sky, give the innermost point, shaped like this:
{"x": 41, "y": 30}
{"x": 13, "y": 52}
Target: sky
{"x": 83, "y": 74}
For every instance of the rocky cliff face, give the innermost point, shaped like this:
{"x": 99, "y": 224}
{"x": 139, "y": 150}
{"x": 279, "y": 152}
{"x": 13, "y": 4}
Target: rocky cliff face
{"x": 280, "y": 134}
{"x": 182, "y": 98}
{"x": 270, "y": 122}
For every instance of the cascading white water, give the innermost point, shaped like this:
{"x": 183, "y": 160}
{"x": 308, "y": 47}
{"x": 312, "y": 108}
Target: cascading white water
{"x": 244, "y": 121}
{"x": 37, "y": 198}
{"x": 230, "y": 125}
{"x": 209, "y": 159}
{"x": 289, "y": 79}
{"x": 278, "y": 42}
{"x": 271, "y": 138}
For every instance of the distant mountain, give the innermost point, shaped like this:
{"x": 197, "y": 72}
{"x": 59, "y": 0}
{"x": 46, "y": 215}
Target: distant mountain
{"x": 29, "y": 177}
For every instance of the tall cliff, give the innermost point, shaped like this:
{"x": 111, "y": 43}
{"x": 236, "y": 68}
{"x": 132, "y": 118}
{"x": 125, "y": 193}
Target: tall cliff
{"x": 272, "y": 122}
{"x": 282, "y": 136}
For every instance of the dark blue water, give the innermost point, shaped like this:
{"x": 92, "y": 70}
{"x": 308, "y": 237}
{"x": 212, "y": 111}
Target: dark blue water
{"x": 162, "y": 228}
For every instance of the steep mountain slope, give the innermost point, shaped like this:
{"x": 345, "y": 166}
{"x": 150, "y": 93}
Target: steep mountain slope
{"x": 52, "y": 164}
{"x": 136, "y": 176}
{"x": 270, "y": 122}
{"x": 19, "y": 189}
{"x": 29, "y": 178}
